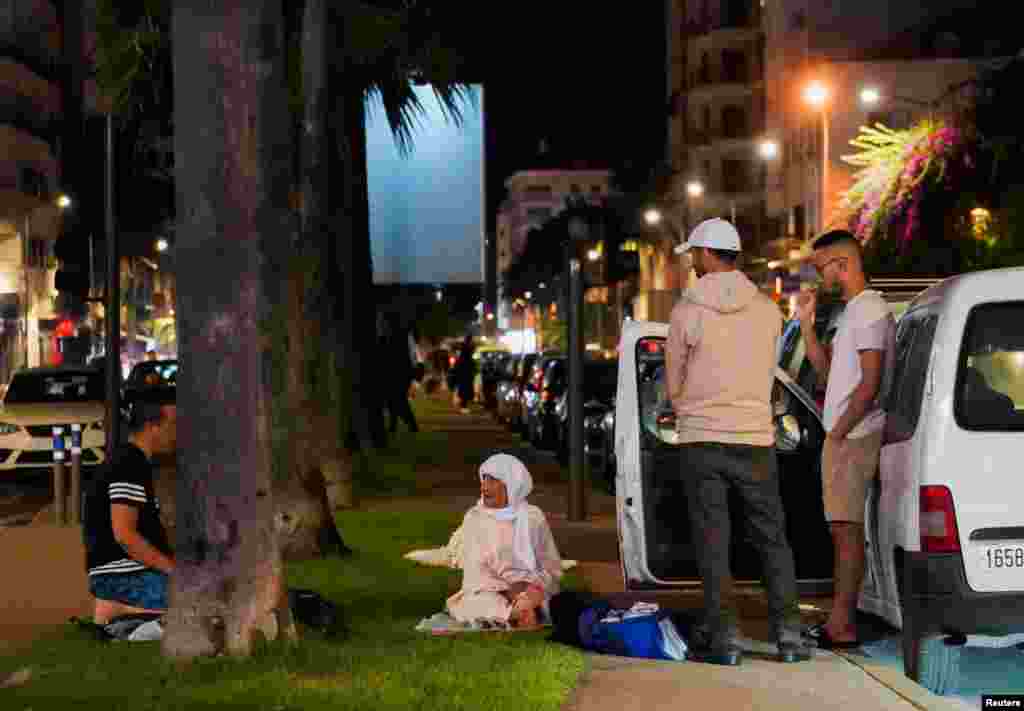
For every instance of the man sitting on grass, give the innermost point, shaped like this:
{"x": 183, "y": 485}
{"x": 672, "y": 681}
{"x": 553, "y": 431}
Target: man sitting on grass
{"x": 511, "y": 566}
{"x": 128, "y": 556}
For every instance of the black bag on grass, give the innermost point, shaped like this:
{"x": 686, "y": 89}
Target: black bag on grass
{"x": 313, "y": 610}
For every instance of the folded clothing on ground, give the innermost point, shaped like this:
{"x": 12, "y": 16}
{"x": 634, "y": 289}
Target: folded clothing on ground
{"x": 443, "y": 623}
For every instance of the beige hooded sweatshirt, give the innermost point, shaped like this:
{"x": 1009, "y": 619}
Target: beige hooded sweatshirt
{"x": 720, "y": 361}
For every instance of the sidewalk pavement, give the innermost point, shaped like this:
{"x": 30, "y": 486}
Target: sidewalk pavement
{"x": 45, "y": 584}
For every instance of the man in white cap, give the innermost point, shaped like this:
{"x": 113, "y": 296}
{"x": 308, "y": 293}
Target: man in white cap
{"x": 720, "y": 368}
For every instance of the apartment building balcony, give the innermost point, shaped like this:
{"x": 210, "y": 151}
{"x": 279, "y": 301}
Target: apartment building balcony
{"x": 731, "y": 136}
{"x": 30, "y": 46}
{"x": 26, "y": 115}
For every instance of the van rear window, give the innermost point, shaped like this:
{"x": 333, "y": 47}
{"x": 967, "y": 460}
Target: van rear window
{"x": 990, "y": 381}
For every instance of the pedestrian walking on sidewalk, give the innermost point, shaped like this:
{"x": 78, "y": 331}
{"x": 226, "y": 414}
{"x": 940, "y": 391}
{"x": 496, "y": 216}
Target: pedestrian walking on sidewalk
{"x": 400, "y": 373}
{"x": 465, "y": 372}
{"x": 720, "y": 369}
{"x": 862, "y": 351}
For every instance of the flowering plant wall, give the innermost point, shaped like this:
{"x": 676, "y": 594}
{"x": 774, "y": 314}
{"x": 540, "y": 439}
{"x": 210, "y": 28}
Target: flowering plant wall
{"x": 897, "y": 170}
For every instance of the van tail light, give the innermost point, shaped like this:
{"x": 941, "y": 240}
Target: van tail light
{"x": 451, "y": 361}
{"x": 938, "y": 521}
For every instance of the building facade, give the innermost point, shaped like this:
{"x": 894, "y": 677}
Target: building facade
{"x": 717, "y": 106}
{"x": 820, "y": 63}
{"x": 535, "y": 196}
{"x": 764, "y": 98}
{"x": 30, "y": 116}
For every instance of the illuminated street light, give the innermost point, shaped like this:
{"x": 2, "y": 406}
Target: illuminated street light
{"x": 870, "y": 96}
{"x": 543, "y": 285}
{"x": 816, "y": 94}
{"x": 63, "y": 202}
{"x": 528, "y": 295}
{"x": 652, "y": 216}
{"x": 161, "y": 245}
{"x": 593, "y": 255}
{"x": 695, "y": 188}
{"x": 769, "y": 150}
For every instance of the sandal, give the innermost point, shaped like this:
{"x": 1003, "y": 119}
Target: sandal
{"x": 820, "y": 636}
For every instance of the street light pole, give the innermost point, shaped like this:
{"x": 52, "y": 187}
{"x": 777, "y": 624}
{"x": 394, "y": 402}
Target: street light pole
{"x": 113, "y": 304}
{"x": 578, "y": 230}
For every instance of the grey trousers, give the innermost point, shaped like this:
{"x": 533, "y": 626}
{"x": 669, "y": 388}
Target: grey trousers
{"x": 709, "y": 470}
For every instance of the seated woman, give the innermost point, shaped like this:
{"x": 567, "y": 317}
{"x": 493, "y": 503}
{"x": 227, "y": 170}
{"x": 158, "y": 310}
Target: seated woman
{"x": 511, "y": 566}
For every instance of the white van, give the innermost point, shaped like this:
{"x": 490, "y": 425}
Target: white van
{"x": 945, "y": 524}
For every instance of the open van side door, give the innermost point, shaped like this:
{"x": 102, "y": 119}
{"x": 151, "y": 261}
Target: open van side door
{"x": 655, "y": 539}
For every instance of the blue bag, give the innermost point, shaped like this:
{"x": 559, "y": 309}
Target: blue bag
{"x": 643, "y": 636}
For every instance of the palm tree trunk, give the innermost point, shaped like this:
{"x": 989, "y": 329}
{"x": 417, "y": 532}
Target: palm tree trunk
{"x": 232, "y": 163}
{"x": 325, "y": 236}
{"x": 368, "y": 418}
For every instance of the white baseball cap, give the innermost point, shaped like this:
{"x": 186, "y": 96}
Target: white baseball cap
{"x": 715, "y": 233}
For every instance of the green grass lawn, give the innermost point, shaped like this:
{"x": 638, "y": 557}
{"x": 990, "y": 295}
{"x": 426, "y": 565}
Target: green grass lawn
{"x": 384, "y": 664}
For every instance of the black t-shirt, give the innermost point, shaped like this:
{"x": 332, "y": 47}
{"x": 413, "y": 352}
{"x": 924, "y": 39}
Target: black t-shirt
{"x": 128, "y": 480}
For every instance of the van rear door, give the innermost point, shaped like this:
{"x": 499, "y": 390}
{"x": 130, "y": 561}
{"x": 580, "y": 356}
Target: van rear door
{"x": 983, "y": 449}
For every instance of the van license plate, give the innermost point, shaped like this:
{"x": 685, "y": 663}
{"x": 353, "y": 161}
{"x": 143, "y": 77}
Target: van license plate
{"x": 1001, "y": 557}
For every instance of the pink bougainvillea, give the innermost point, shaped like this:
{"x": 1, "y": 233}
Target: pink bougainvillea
{"x": 896, "y": 169}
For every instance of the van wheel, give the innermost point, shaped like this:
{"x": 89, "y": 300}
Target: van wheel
{"x": 931, "y": 662}
{"x": 927, "y": 659}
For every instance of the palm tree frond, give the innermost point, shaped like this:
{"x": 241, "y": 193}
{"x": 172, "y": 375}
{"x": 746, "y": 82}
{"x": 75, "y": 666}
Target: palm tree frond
{"x": 402, "y": 108}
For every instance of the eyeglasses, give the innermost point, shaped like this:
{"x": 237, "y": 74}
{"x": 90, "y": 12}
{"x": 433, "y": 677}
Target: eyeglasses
{"x": 821, "y": 268}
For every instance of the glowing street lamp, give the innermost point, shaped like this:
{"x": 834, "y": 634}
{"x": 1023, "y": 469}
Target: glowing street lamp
{"x": 162, "y": 245}
{"x": 816, "y": 94}
{"x": 63, "y": 202}
{"x": 695, "y": 188}
{"x": 869, "y": 96}
{"x": 652, "y": 216}
{"x": 593, "y": 255}
{"x": 768, "y": 150}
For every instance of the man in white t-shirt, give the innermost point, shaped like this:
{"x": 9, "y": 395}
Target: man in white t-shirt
{"x": 853, "y": 366}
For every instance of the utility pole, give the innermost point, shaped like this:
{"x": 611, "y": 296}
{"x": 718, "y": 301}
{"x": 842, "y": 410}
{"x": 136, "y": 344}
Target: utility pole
{"x": 578, "y": 231}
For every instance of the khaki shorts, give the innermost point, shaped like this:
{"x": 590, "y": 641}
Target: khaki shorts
{"x": 847, "y": 468}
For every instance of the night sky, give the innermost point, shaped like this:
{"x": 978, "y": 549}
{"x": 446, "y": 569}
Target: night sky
{"x": 588, "y": 77}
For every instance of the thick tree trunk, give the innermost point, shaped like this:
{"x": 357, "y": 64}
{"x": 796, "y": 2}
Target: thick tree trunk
{"x": 232, "y": 163}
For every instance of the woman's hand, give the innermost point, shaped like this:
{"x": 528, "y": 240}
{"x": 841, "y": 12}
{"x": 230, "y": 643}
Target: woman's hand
{"x": 525, "y": 599}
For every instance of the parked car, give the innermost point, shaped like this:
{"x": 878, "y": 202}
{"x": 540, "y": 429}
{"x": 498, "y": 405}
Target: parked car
{"x": 541, "y": 421}
{"x": 510, "y": 407}
{"x": 600, "y": 378}
{"x": 945, "y": 524}
{"x": 37, "y": 400}
{"x": 654, "y": 531}
{"x": 506, "y": 382}
{"x": 491, "y": 366}
{"x": 530, "y": 396}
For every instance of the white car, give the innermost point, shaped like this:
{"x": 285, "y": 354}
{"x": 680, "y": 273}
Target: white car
{"x": 37, "y": 400}
{"x": 945, "y": 526}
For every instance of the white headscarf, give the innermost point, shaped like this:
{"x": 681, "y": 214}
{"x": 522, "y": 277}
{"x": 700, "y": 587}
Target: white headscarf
{"x": 518, "y": 482}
